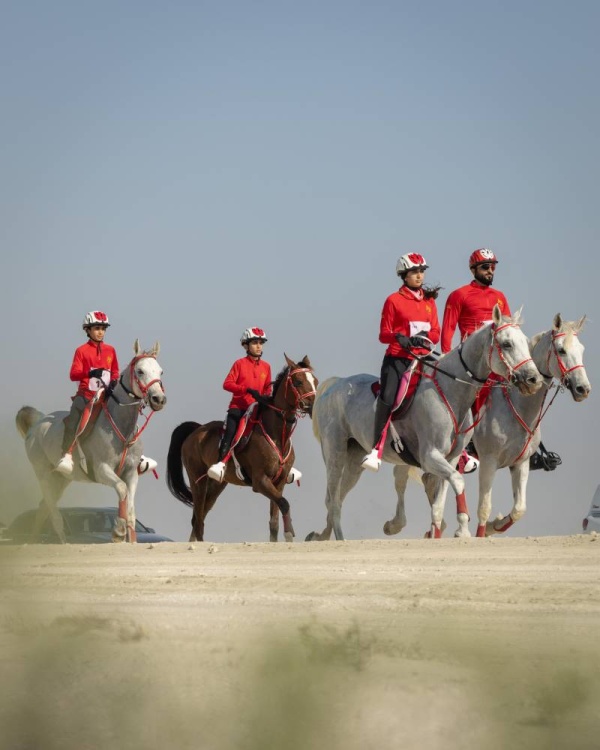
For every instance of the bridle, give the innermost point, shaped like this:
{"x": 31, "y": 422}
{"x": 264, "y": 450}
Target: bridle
{"x": 133, "y": 378}
{"x": 564, "y": 371}
{"x": 298, "y": 407}
{"x": 495, "y": 345}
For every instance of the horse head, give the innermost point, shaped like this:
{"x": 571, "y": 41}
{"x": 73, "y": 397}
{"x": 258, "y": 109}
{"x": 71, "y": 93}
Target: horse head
{"x": 558, "y": 353}
{"x": 143, "y": 377}
{"x": 509, "y": 354}
{"x": 299, "y": 385}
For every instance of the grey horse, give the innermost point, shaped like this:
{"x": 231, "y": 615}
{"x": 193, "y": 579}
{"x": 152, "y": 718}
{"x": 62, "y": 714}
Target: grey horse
{"x": 508, "y": 433}
{"x": 110, "y": 453}
{"x": 432, "y": 431}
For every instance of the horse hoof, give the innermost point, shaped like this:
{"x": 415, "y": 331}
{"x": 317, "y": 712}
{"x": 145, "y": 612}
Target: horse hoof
{"x": 289, "y": 537}
{"x": 390, "y": 529}
{"x": 312, "y": 537}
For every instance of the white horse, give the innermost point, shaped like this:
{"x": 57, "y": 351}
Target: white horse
{"x": 110, "y": 453}
{"x": 508, "y": 433}
{"x": 432, "y": 430}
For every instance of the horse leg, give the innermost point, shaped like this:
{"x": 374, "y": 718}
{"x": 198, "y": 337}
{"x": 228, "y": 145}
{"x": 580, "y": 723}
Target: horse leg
{"x": 52, "y": 486}
{"x": 433, "y": 462}
{"x": 265, "y": 486}
{"x": 430, "y": 484}
{"x": 343, "y": 472}
{"x": 487, "y": 471}
{"x": 519, "y": 474}
{"x": 273, "y": 522}
{"x": 398, "y": 522}
{"x": 205, "y": 494}
{"x": 124, "y": 529}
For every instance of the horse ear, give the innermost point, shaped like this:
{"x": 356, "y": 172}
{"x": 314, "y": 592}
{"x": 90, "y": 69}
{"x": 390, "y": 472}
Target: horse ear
{"x": 557, "y": 323}
{"x": 580, "y": 323}
{"x": 155, "y": 349}
{"x": 517, "y": 318}
{"x": 136, "y": 347}
{"x": 306, "y": 361}
{"x": 496, "y": 315}
{"x": 289, "y": 361}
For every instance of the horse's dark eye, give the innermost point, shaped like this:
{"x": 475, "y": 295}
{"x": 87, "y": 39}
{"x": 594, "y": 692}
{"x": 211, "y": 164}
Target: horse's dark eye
{"x": 507, "y": 345}
{"x": 139, "y": 372}
{"x": 297, "y": 383}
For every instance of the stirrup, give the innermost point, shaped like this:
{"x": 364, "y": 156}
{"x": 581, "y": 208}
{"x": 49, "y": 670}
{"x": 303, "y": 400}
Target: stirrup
{"x": 294, "y": 476}
{"x": 146, "y": 464}
{"x": 371, "y": 461}
{"x": 217, "y": 471}
{"x": 65, "y": 465}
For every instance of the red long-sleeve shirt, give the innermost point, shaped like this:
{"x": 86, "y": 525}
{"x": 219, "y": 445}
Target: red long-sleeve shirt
{"x": 470, "y": 307}
{"x": 408, "y": 313}
{"x": 90, "y": 356}
{"x": 247, "y": 373}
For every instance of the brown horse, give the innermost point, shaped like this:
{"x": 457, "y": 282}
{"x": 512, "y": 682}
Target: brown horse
{"x": 265, "y": 459}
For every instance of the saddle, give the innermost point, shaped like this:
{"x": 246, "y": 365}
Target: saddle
{"x": 406, "y": 391}
{"x": 88, "y": 420}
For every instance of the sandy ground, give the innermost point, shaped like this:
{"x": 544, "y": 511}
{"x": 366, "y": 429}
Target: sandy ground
{"x": 374, "y": 644}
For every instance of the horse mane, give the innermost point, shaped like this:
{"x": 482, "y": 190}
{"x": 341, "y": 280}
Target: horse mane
{"x": 277, "y": 382}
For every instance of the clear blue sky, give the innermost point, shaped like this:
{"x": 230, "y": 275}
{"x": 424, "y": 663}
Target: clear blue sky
{"x": 193, "y": 168}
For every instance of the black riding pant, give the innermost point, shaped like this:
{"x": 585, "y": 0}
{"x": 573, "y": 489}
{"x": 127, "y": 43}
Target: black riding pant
{"x": 392, "y": 370}
{"x": 231, "y": 424}
{"x": 71, "y": 422}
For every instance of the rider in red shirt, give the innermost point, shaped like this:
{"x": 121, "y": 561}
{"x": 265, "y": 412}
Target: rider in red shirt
{"x": 95, "y": 366}
{"x": 409, "y": 325}
{"x": 470, "y": 307}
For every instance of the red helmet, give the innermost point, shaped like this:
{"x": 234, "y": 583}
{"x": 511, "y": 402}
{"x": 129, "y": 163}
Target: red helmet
{"x": 483, "y": 255}
{"x": 95, "y": 318}
{"x": 253, "y": 333}
{"x": 410, "y": 261}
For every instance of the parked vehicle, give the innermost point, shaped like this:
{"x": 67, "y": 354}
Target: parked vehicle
{"x": 82, "y": 526}
{"x": 592, "y": 521}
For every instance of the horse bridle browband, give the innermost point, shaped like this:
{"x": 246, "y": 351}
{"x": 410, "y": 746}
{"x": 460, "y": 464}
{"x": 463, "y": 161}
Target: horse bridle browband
{"x": 563, "y": 370}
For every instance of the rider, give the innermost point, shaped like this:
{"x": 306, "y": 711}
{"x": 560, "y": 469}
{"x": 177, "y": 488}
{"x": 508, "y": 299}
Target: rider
{"x": 470, "y": 307}
{"x": 408, "y": 315}
{"x": 249, "y": 380}
{"x": 94, "y": 366}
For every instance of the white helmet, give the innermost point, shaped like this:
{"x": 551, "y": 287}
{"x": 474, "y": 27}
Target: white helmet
{"x": 410, "y": 261}
{"x": 253, "y": 333}
{"x": 95, "y": 318}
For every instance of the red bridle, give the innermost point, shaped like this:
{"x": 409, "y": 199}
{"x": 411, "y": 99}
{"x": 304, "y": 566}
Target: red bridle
{"x": 495, "y": 332}
{"x": 299, "y": 398}
{"x": 134, "y": 378}
{"x": 563, "y": 370}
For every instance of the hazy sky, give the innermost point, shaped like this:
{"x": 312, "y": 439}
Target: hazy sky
{"x": 193, "y": 168}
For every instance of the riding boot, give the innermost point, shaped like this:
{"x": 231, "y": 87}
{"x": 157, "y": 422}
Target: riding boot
{"x": 65, "y": 465}
{"x": 217, "y": 471}
{"x": 382, "y": 412}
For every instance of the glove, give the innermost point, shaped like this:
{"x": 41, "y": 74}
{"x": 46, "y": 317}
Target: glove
{"x": 110, "y": 388}
{"x": 264, "y": 400}
{"x": 420, "y": 342}
{"x": 96, "y": 373}
{"x": 403, "y": 340}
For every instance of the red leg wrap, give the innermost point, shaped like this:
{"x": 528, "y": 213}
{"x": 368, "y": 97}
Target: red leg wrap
{"x": 461, "y": 505}
{"x": 481, "y": 531}
{"x": 504, "y": 526}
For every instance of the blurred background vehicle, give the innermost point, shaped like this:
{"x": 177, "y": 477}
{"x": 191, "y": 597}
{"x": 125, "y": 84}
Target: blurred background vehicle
{"x": 82, "y": 526}
{"x": 592, "y": 521}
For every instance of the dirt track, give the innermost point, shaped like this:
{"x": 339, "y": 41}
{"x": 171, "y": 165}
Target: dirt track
{"x": 375, "y": 644}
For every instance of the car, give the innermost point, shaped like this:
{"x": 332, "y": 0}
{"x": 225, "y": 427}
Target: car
{"x": 82, "y": 526}
{"x": 592, "y": 521}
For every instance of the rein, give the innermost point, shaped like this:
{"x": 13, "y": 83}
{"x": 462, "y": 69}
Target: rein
{"x": 297, "y": 412}
{"x": 140, "y": 401}
{"x": 563, "y": 376}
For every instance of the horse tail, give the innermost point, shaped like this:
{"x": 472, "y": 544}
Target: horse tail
{"x": 26, "y": 417}
{"x": 315, "y": 412}
{"x": 175, "y": 480}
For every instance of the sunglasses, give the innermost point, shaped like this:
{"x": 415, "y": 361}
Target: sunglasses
{"x": 486, "y": 266}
